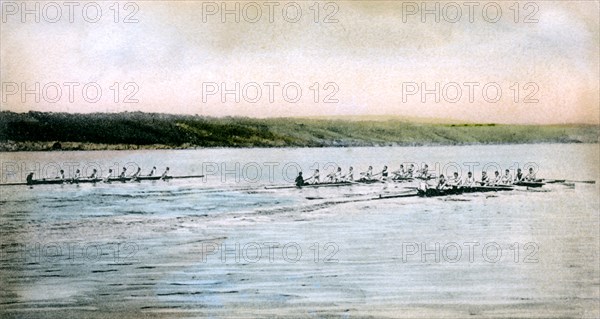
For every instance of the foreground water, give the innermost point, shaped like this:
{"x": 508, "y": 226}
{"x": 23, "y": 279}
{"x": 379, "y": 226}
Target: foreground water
{"x": 226, "y": 247}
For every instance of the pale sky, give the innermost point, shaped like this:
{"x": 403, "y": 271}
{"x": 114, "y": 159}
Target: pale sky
{"x": 371, "y": 54}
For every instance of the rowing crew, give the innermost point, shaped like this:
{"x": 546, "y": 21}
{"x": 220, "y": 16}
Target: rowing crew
{"x": 95, "y": 176}
{"x": 337, "y": 176}
{"x": 496, "y": 180}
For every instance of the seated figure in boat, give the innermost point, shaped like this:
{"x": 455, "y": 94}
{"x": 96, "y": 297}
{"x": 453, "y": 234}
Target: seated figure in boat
{"x": 469, "y": 181}
{"x": 165, "y": 174}
{"x": 123, "y": 173}
{"x": 496, "y": 180}
{"x": 442, "y": 182}
{"x": 400, "y": 173}
{"x": 94, "y": 174}
{"x": 300, "y": 180}
{"x": 137, "y": 173}
{"x": 531, "y": 176}
{"x": 368, "y": 175}
{"x": 107, "y": 178}
{"x": 349, "y": 177}
{"x": 506, "y": 179}
{"x": 384, "y": 173}
{"x": 485, "y": 179}
{"x": 29, "y": 178}
{"x": 454, "y": 181}
{"x": 519, "y": 176}
{"x": 424, "y": 173}
{"x": 410, "y": 171}
{"x": 314, "y": 179}
{"x": 61, "y": 175}
{"x": 152, "y": 171}
{"x": 335, "y": 176}
{"x": 77, "y": 175}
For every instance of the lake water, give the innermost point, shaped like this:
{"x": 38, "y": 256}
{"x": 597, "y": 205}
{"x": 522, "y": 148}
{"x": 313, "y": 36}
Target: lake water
{"x": 225, "y": 246}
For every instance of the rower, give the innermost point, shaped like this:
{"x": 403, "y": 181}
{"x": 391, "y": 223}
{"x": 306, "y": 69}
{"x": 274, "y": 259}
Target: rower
{"x": 424, "y": 172}
{"x": 123, "y": 173}
{"x": 368, "y": 174}
{"x": 455, "y": 180}
{"x": 300, "y": 180}
{"x": 519, "y": 176}
{"x": 506, "y": 178}
{"x": 29, "y": 178}
{"x": 400, "y": 173}
{"x": 315, "y": 178}
{"x": 137, "y": 173}
{"x": 469, "y": 181}
{"x": 442, "y": 183}
{"x": 107, "y": 178}
{"x": 164, "y": 175}
{"x": 94, "y": 174}
{"x": 497, "y": 178}
{"x": 531, "y": 176}
{"x": 152, "y": 171}
{"x": 485, "y": 179}
{"x": 337, "y": 176}
{"x": 411, "y": 170}
{"x": 349, "y": 177}
{"x": 77, "y": 175}
{"x": 61, "y": 175}
{"x": 384, "y": 173}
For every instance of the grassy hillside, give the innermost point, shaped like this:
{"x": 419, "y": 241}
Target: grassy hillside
{"x": 41, "y": 131}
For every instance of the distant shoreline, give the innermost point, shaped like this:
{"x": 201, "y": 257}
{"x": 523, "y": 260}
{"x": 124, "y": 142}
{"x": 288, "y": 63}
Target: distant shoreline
{"x": 37, "y": 131}
{"x": 11, "y": 147}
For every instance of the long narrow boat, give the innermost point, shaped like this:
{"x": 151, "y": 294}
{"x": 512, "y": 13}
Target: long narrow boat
{"x": 334, "y": 184}
{"x": 98, "y": 180}
{"x": 434, "y": 192}
{"x": 529, "y": 184}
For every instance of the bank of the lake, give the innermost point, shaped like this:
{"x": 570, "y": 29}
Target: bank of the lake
{"x": 37, "y": 131}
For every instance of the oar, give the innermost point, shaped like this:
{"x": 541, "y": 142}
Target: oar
{"x": 553, "y": 181}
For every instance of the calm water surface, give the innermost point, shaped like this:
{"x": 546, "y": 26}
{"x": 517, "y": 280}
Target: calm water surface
{"x": 224, "y": 246}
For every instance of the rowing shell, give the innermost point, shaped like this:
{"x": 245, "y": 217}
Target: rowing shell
{"x": 336, "y": 184}
{"x": 433, "y": 192}
{"x": 97, "y": 180}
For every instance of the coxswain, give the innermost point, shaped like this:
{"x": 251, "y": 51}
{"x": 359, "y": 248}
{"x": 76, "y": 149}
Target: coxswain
{"x": 300, "y": 180}
{"x": 531, "y": 176}
{"x": 469, "y": 181}
{"x": 29, "y": 178}
{"x": 506, "y": 178}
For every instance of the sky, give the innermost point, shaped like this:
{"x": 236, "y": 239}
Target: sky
{"x": 493, "y": 62}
